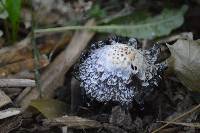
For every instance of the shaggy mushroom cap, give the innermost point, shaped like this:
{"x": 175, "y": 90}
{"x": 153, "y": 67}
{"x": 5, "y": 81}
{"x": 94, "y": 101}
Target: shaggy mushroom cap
{"x": 115, "y": 70}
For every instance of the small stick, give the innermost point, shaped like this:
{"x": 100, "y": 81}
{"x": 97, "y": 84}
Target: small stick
{"x": 22, "y": 94}
{"x": 195, "y": 125}
{"x": 177, "y": 118}
{"x": 17, "y": 83}
{"x": 72, "y": 121}
{"x": 9, "y": 112}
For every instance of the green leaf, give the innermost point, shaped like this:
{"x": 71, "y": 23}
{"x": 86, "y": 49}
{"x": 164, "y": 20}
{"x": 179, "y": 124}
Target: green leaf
{"x": 13, "y": 8}
{"x": 127, "y": 17}
{"x": 148, "y": 28}
{"x": 50, "y": 108}
{"x": 185, "y": 61}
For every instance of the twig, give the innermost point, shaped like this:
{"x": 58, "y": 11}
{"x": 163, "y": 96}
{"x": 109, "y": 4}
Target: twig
{"x": 9, "y": 112}
{"x": 177, "y": 118}
{"x": 73, "y": 121}
{"x": 17, "y": 83}
{"x": 22, "y": 94}
{"x": 195, "y": 125}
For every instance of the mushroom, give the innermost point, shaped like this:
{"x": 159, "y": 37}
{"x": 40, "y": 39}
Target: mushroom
{"x": 116, "y": 70}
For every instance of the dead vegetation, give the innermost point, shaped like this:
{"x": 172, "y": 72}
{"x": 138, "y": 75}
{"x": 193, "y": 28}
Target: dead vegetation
{"x": 38, "y": 92}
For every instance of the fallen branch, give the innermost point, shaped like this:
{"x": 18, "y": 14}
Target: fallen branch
{"x": 72, "y": 121}
{"x": 53, "y": 76}
{"x": 17, "y": 83}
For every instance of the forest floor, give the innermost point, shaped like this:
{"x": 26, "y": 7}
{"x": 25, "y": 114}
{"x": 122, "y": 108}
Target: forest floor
{"x": 42, "y": 40}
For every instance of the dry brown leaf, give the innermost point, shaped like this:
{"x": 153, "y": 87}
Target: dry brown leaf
{"x": 4, "y": 99}
{"x": 23, "y": 50}
{"x": 184, "y": 35}
{"x": 27, "y": 64}
{"x": 10, "y": 54}
{"x": 185, "y": 62}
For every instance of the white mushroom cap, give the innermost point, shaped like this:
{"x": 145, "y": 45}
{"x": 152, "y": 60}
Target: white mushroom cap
{"x": 107, "y": 74}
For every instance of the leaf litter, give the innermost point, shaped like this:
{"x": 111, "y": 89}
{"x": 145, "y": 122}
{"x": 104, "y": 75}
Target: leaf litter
{"x": 170, "y": 100}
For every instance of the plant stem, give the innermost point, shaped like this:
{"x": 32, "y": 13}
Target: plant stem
{"x": 36, "y": 53}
